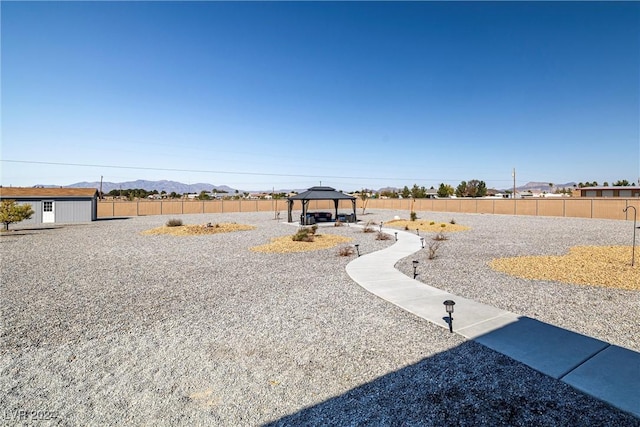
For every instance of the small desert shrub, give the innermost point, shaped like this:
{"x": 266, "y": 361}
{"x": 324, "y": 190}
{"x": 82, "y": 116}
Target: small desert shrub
{"x": 346, "y": 251}
{"x": 443, "y": 225}
{"x": 413, "y": 216}
{"x": 433, "y": 248}
{"x": 382, "y": 236}
{"x": 367, "y": 228}
{"x": 338, "y": 223}
{"x": 406, "y": 228}
{"x": 440, "y": 237}
{"x": 432, "y": 222}
{"x": 453, "y": 221}
{"x": 174, "y": 222}
{"x": 314, "y": 228}
{"x": 303, "y": 235}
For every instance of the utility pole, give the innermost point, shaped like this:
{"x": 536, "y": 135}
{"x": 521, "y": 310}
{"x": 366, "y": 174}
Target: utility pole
{"x": 513, "y": 174}
{"x": 100, "y": 187}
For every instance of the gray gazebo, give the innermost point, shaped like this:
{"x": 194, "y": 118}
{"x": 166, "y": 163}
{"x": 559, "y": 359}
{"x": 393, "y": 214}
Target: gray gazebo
{"x": 321, "y": 193}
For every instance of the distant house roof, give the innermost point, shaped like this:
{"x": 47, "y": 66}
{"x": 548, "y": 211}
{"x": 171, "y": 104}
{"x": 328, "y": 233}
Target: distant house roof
{"x": 322, "y": 193}
{"x": 9, "y": 192}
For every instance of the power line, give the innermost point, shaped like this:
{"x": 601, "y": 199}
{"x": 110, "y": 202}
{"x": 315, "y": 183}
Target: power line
{"x": 222, "y": 172}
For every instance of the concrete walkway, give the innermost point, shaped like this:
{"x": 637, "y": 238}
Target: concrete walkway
{"x": 607, "y": 372}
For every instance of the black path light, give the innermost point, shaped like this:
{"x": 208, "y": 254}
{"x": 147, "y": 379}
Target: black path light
{"x": 357, "y": 248}
{"x": 381, "y": 226}
{"x": 633, "y": 247}
{"x": 448, "y": 305}
{"x": 415, "y": 267}
{"x": 422, "y": 242}
{"x": 396, "y": 233}
{"x": 418, "y": 231}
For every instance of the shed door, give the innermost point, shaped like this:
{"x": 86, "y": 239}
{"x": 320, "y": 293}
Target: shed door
{"x": 48, "y": 211}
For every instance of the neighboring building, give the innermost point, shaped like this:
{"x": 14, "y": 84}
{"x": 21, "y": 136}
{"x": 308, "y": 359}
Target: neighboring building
{"x": 55, "y": 205}
{"x": 619, "y": 191}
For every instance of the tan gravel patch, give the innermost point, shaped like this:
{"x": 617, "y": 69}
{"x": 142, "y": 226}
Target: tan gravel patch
{"x": 285, "y": 244}
{"x": 606, "y": 266}
{"x": 198, "y": 230}
{"x": 424, "y": 225}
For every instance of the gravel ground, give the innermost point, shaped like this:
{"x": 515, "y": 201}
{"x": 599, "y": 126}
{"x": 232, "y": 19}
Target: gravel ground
{"x": 102, "y": 325}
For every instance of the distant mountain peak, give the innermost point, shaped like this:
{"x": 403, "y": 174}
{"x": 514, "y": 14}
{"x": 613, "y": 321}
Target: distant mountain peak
{"x": 162, "y": 185}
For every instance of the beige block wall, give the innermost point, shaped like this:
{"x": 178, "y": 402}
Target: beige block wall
{"x": 605, "y": 208}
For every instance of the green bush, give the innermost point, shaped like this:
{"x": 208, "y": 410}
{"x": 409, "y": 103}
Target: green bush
{"x": 174, "y": 222}
{"x": 432, "y": 222}
{"x": 413, "y": 216}
{"x": 453, "y": 221}
{"x": 303, "y": 235}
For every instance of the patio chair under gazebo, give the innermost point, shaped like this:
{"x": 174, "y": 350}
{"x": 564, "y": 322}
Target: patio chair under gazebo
{"x": 321, "y": 193}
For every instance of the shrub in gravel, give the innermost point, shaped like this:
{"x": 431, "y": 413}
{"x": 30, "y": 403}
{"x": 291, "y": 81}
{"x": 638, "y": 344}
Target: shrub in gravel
{"x": 382, "y": 236}
{"x": 367, "y": 228}
{"x": 338, "y": 223}
{"x": 433, "y": 248}
{"x": 453, "y": 221}
{"x": 346, "y": 251}
{"x": 413, "y": 216}
{"x": 440, "y": 236}
{"x": 304, "y": 235}
{"x": 174, "y": 222}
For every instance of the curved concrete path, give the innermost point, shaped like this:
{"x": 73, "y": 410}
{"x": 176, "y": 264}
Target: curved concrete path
{"x": 605, "y": 371}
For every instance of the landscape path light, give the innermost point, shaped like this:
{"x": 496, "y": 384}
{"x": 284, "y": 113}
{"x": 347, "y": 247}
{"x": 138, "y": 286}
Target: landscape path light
{"x": 415, "y": 267}
{"x": 357, "y": 249}
{"x": 422, "y": 242}
{"x": 396, "y": 233}
{"x": 448, "y": 305}
{"x": 418, "y": 231}
{"x": 381, "y": 226}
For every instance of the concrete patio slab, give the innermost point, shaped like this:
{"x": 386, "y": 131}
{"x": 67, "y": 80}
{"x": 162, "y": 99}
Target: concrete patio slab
{"x": 546, "y": 348}
{"x": 613, "y": 375}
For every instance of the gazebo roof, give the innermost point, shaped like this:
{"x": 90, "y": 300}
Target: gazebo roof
{"x": 321, "y": 193}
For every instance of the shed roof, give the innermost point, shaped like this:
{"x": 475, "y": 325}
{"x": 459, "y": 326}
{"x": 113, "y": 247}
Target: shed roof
{"x": 611, "y": 187}
{"x": 9, "y": 192}
{"x": 321, "y": 193}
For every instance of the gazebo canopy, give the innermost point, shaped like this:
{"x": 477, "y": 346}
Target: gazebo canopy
{"x": 320, "y": 193}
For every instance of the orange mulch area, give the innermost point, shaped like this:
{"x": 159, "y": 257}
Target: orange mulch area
{"x": 199, "y": 230}
{"x": 286, "y": 244}
{"x": 424, "y": 225}
{"x": 606, "y": 266}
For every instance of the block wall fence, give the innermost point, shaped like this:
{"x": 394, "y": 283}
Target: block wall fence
{"x": 582, "y": 207}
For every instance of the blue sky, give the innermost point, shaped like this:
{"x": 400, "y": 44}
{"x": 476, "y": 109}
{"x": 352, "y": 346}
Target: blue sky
{"x": 257, "y": 95}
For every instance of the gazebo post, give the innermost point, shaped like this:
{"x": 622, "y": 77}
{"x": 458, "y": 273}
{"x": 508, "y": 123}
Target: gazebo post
{"x": 353, "y": 202}
{"x": 290, "y": 203}
{"x": 305, "y": 207}
{"x": 335, "y": 202}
